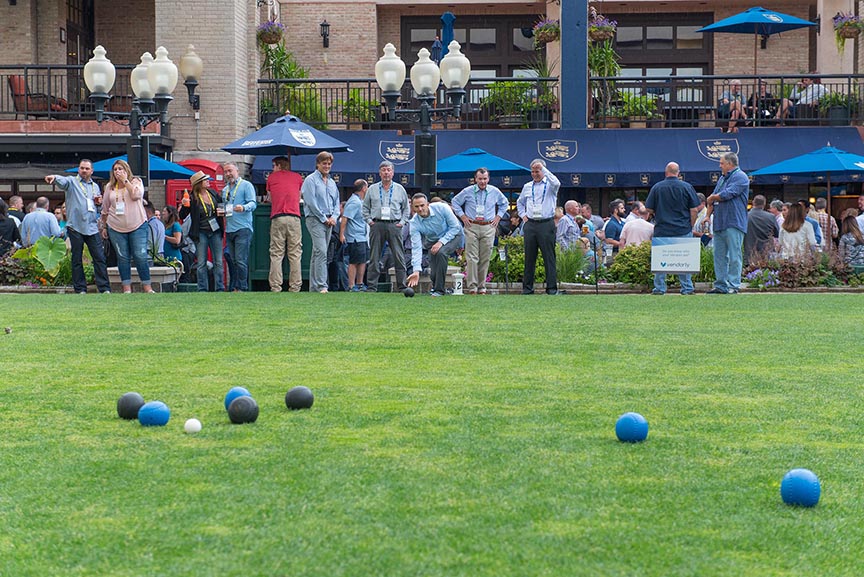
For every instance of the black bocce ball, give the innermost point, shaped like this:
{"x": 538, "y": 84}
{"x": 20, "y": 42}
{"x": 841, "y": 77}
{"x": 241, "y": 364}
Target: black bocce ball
{"x": 408, "y": 292}
{"x": 299, "y": 398}
{"x": 128, "y": 405}
{"x": 243, "y": 410}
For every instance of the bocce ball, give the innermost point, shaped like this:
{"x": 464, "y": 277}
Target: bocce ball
{"x": 800, "y": 487}
{"x": 192, "y": 426}
{"x": 299, "y": 398}
{"x": 128, "y": 405}
{"x": 154, "y": 414}
{"x": 233, "y": 394}
{"x": 243, "y": 409}
{"x": 408, "y": 292}
{"x": 631, "y": 428}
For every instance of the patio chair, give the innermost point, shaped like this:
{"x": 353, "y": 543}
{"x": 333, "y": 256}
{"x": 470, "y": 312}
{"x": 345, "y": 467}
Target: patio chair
{"x": 33, "y": 103}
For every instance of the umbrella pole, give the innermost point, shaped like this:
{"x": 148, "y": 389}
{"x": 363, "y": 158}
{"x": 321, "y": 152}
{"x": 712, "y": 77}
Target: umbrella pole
{"x": 755, "y": 49}
{"x": 830, "y": 242}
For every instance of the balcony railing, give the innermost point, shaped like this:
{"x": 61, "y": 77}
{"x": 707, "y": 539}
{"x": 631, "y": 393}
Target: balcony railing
{"x": 55, "y": 93}
{"x": 357, "y": 103}
{"x": 697, "y": 101}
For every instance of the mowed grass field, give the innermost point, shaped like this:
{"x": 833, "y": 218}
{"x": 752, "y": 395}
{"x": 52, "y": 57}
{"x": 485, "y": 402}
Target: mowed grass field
{"x": 462, "y": 436}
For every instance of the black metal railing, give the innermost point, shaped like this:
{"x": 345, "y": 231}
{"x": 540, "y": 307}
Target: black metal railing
{"x": 357, "y": 103}
{"x": 727, "y": 102}
{"x": 56, "y": 93}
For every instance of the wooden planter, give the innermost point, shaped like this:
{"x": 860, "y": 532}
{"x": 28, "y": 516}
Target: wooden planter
{"x": 272, "y": 37}
{"x": 600, "y": 34}
{"x": 848, "y": 32}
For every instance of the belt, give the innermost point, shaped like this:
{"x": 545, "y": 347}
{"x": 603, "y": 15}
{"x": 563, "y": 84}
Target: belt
{"x": 539, "y": 219}
{"x": 480, "y": 221}
{"x": 382, "y": 220}
{"x": 281, "y": 214}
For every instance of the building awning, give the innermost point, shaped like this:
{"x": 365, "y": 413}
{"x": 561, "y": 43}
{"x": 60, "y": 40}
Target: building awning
{"x": 593, "y": 158}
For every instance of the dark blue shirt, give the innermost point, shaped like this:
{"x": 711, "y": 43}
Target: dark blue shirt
{"x": 671, "y": 201}
{"x": 817, "y": 230}
{"x": 731, "y": 210}
{"x": 613, "y": 228}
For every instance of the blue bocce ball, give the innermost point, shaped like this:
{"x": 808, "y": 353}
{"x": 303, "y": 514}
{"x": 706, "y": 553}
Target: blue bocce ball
{"x": 800, "y": 487}
{"x": 233, "y": 394}
{"x": 154, "y": 414}
{"x": 631, "y": 428}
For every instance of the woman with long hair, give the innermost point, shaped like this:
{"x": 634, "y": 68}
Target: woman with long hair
{"x": 205, "y": 230}
{"x": 123, "y": 212}
{"x": 173, "y": 233}
{"x": 797, "y": 237}
{"x": 9, "y": 233}
{"x": 851, "y": 242}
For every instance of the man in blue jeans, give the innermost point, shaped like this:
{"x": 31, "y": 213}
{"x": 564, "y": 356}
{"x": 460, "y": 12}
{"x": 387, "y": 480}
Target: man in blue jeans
{"x": 674, "y": 204}
{"x": 239, "y": 199}
{"x": 729, "y": 204}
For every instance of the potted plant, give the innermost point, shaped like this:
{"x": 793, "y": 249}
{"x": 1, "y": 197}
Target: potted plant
{"x": 546, "y": 31}
{"x": 600, "y": 28}
{"x": 846, "y": 26}
{"x": 357, "y": 109}
{"x": 508, "y": 100}
{"x": 603, "y": 65}
{"x": 543, "y": 103}
{"x": 280, "y": 98}
{"x": 270, "y": 32}
{"x": 638, "y": 108}
{"x": 838, "y": 108}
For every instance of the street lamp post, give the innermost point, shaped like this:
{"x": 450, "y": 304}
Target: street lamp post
{"x": 425, "y": 77}
{"x": 153, "y": 81}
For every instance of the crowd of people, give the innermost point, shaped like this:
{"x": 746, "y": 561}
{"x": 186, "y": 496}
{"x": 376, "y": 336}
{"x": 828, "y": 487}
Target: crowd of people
{"x": 763, "y": 107}
{"x": 354, "y": 243}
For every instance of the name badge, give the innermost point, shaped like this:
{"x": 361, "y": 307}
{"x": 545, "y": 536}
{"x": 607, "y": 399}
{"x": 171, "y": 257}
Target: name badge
{"x": 90, "y": 206}
{"x": 537, "y": 211}
{"x": 213, "y": 224}
{"x": 120, "y": 208}
{"x": 385, "y": 213}
{"x": 229, "y": 210}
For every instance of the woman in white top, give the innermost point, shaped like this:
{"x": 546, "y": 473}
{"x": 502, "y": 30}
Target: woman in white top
{"x": 123, "y": 213}
{"x": 797, "y": 238}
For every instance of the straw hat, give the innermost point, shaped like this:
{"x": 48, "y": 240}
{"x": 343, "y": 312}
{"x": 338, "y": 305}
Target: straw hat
{"x": 198, "y": 177}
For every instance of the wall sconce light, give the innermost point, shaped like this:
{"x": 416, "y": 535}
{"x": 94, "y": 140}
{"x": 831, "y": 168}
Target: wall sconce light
{"x": 13, "y": 2}
{"x": 763, "y": 41}
{"x": 325, "y": 33}
{"x": 191, "y": 68}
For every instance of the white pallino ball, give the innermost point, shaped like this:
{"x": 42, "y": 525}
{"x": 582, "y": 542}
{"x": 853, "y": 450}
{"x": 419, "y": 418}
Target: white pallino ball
{"x": 192, "y": 426}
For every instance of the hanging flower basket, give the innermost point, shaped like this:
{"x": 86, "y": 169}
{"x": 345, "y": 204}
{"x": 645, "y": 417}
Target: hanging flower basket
{"x": 546, "y": 31}
{"x": 849, "y": 31}
{"x": 270, "y": 33}
{"x": 600, "y": 28}
{"x": 597, "y": 34}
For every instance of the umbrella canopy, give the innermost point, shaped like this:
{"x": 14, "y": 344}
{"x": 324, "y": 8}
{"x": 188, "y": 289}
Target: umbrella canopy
{"x": 827, "y": 161}
{"x": 160, "y": 169}
{"x": 758, "y": 22}
{"x": 465, "y": 163}
{"x": 288, "y": 134}
{"x": 447, "y": 20}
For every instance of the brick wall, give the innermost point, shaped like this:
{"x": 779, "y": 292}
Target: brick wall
{"x": 18, "y": 39}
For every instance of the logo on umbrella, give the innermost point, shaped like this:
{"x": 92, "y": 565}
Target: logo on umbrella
{"x": 773, "y": 17}
{"x": 304, "y": 137}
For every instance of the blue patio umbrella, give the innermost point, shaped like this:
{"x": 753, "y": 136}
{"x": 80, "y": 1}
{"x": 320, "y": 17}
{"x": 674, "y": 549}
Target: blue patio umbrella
{"x": 759, "y": 22}
{"x": 465, "y": 163}
{"x": 288, "y": 134}
{"x": 435, "y": 52}
{"x": 160, "y": 169}
{"x": 825, "y": 162}
{"x": 447, "y": 20}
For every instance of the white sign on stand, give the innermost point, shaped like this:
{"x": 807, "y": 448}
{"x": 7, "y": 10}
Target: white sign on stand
{"x": 679, "y": 255}
{"x": 457, "y": 283}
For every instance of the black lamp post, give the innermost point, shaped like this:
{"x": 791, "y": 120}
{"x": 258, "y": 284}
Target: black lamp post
{"x": 425, "y": 77}
{"x": 153, "y": 81}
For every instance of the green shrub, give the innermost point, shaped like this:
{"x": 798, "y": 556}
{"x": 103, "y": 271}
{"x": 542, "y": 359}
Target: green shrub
{"x": 572, "y": 264}
{"x": 706, "y": 266}
{"x": 515, "y": 265}
{"x": 632, "y": 265}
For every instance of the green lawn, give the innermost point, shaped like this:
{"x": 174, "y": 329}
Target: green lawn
{"x": 461, "y": 436}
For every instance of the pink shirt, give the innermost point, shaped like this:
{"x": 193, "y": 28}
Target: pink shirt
{"x": 134, "y": 215}
{"x": 636, "y": 232}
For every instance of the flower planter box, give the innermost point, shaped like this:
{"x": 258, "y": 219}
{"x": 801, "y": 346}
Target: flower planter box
{"x": 162, "y": 279}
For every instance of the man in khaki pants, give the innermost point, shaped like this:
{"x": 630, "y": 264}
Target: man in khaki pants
{"x": 480, "y": 207}
{"x": 286, "y": 235}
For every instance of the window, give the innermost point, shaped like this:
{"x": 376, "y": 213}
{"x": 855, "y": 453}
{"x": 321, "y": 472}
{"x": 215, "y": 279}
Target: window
{"x": 654, "y": 41}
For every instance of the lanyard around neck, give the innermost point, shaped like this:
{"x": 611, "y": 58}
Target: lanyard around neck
{"x": 542, "y": 200}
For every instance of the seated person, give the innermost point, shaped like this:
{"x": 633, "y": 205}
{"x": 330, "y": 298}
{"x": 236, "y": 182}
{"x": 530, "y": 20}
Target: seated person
{"x": 762, "y": 105}
{"x": 731, "y": 105}
{"x": 807, "y": 93}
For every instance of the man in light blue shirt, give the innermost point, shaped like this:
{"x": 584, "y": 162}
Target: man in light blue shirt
{"x": 436, "y": 228}
{"x": 353, "y": 234}
{"x": 386, "y": 209}
{"x": 239, "y": 198}
{"x": 480, "y": 207}
{"x": 536, "y": 205}
{"x": 83, "y": 198}
{"x": 321, "y": 207}
{"x": 729, "y": 203}
{"x": 39, "y": 223}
